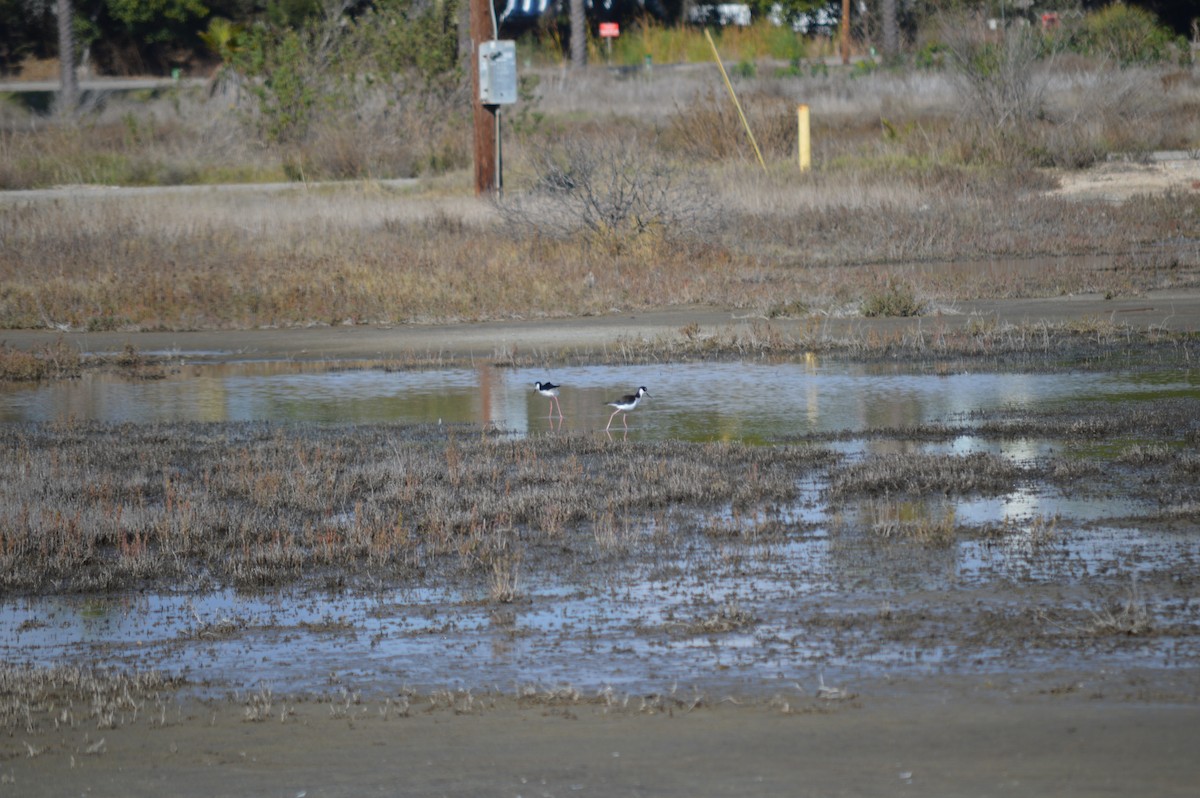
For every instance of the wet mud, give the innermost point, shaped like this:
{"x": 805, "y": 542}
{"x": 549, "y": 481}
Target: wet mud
{"x": 980, "y": 597}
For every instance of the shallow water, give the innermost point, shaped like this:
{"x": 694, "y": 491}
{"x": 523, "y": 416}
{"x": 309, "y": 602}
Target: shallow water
{"x": 636, "y": 629}
{"x": 635, "y": 621}
{"x": 701, "y": 401}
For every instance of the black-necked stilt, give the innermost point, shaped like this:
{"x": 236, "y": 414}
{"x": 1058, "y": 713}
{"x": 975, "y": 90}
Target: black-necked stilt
{"x": 624, "y": 405}
{"x": 550, "y": 391}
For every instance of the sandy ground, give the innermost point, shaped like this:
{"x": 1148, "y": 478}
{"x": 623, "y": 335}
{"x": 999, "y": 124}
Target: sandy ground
{"x": 1116, "y": 181}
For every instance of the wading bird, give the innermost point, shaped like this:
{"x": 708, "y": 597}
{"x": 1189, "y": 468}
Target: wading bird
{"x": 550, "y": 391}
{"x": 624, "y": 405}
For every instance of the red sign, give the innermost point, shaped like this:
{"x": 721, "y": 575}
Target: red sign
{"x": 609, "y": 30}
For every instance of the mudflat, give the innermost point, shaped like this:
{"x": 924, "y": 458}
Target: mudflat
{"x": 1054, "y": 725}
{"x": 1069, "y": 735}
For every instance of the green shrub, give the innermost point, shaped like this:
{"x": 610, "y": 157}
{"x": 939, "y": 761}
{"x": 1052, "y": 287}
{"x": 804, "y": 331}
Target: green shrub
{"x": 286, "y": 74}
{"x": 744, "y": 69}
{"x": 896, "y": 299}
{"x": 1129, "y": 35}
{"x": 390, "y": 76}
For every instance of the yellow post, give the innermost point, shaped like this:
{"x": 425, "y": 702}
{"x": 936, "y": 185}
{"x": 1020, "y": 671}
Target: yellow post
{"x": 805, "y": 151}
{"x": 738, "y": 105}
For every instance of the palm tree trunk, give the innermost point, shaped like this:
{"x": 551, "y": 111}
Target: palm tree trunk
{"x": 578, "y": 35}
{"x": 68, "y": 96}
{"x": 891, "y": 30}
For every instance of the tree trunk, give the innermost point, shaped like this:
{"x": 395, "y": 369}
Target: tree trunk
{"x": 578, "y": 35}
{"x": 68, "y": 95}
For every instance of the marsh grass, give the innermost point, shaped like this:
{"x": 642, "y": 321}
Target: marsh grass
{"x": 95, "y": 507}
{"x": 64, "y": 698}
{"x": 916, "y": 474}
{"x": 179, "y": 137}
{"x": 54, "y": 361}
{"x": 912, "y": 522}
{"x": 893, "y": 299}
{"x": 89, "y": 507}
{"x": 896, "y": 183}
{"x": 505, "y": 579}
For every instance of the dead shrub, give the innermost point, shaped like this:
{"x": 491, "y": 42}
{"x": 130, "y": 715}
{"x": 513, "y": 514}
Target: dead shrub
{"x": 1128, "y": 616}
{"x": 997, "y": 75}
{"x": 377, "y": 139}
{"x": 53, "y": 361}
{"x": 610, "y": 192}
{"x": 709, "y": 128}
{"x": 1101, "y": 111}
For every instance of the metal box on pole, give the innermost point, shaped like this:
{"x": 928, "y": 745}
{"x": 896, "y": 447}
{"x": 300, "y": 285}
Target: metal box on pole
{"x": 498, "y": 72}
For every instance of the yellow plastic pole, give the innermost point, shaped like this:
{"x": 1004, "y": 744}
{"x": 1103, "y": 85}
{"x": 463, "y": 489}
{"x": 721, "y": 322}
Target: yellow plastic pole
{"x": 804, "y": 147}
{"x": 738, "y": 105}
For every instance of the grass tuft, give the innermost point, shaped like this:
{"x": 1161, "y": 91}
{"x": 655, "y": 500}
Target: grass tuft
{"x": 896, "y": 299}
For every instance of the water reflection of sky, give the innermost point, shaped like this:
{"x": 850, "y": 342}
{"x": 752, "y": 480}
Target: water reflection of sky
{"x": 698, "y": 401}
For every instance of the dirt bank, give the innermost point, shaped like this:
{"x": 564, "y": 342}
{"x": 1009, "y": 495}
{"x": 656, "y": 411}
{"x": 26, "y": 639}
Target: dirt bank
{"x": 1175, "y": 311}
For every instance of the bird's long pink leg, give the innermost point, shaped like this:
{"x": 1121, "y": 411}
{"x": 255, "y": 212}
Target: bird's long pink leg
{"x": 625, "y": 420}
{"x": 610, "y": 418}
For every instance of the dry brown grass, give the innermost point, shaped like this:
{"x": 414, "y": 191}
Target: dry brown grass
{"x": 95, "y": 507}
{"x": 897, "y": 198}
{"x": 371, "y": 255}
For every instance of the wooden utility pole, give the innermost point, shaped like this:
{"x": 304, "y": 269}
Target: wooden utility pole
{"x": 845, "y": 32}
{"x": 485, "y": 115}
